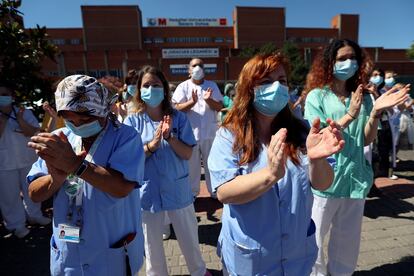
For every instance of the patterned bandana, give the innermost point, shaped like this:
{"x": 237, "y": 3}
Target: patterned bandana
{"x": 81, "y": 93}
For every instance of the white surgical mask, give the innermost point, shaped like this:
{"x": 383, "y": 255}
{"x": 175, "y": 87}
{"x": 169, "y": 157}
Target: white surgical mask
{"x": 197, "y": 73}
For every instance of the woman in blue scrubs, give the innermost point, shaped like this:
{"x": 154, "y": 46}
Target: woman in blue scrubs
{"x": 168, "y": 140}
{"x": 263, "y": 163}
{"x": 93, "y": 168}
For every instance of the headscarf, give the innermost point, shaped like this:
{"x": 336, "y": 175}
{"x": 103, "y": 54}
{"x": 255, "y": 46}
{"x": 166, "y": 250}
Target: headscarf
{"x": 81, "y": 93}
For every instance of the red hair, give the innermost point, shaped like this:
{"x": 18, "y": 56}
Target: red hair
{"x": 241, "y": 121}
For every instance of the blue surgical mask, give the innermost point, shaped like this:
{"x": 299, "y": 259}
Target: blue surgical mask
{"x": 389, "y": 82}
{"x": 6, "y": 100}
{"x": 85, "y": 130}
{"x": 377, "y": 80}
{"x": 344, "y": 70}
{"x": 132, "y": 89}
{"x": 125, "y": 96}
{"x": 270, "y": 99}
{"x": 152, "y": 96}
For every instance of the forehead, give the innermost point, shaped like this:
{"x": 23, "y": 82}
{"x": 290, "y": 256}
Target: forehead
{"x": 71, "y": 115}
{"x": 345, "y": 51}
{"x": 389, "y": 74}
{"x": 148, "y": 77}
{"x": 278, "y": 73}
{"x": 196, "y": 61}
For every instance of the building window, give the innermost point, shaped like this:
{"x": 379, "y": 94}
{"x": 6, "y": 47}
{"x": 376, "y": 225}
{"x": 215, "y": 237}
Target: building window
{"x": 158, "y": 40}
{"x": 75, "y": 41}
{"x": 58, "y": 41}
{"x": 147, "y": 40}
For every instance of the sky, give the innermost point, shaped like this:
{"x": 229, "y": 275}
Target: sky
{"x": 382, "y": 23}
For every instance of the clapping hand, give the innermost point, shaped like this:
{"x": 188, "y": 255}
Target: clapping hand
{"x": 166, "y": 127}
{"x": 276, "y": 156}
{"x": 391, "y": 98}
{"x": 323, "y": 143}
{"x": 356, "y": 101}
{"x": 207, "y": 94}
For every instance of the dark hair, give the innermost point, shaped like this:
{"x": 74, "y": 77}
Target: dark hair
{"x": 131, "y": 77}
{"x": 166, "y": 102}
{"x": 322, "y": 67}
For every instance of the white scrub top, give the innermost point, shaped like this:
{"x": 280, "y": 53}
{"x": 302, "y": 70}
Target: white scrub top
{"x": 203, "y": 119}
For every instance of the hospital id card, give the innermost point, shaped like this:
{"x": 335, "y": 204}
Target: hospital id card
{"x": 69, "y": 233}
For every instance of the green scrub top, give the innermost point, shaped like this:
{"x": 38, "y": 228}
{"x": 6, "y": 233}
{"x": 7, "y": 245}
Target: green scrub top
{"x": 353, "y": 173}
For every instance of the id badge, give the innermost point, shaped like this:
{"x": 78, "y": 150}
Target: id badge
{"x": 69, "y": 233}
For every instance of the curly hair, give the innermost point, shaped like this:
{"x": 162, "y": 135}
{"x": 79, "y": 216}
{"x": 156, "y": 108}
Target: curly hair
{"x": 241, "y": 120}
{"x": 139, "y": 104}
{"x": 321, "y": 73}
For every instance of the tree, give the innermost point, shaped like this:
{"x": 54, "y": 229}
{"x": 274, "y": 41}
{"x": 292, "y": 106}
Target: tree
{"x": 299, "y": 68}
{"x": 291, "y": 51}
{"x": 21, "y": 54}
{"x": 410, "y": 52}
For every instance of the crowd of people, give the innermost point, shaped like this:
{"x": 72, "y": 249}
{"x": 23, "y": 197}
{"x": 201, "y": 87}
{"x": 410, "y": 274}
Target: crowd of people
{"x": 122, "y": 161}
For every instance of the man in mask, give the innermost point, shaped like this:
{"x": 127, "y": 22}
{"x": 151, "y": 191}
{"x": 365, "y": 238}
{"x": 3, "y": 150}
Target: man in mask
{"x": 17, "y": 124}
{"x": 201, "y": 100}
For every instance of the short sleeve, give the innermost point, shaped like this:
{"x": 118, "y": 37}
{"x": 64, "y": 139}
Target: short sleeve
{"x": 129, "y": 121}
{"x": 185, "y": 133}
{"x": 128, "y": 156}
{"x": 217, "y": 96}
{"x": 38, "y": 169}
{"x": 314, "y": 107}
{"x": 179, "y": 95}
{"x": 223, "y": 164}
{"x": 30, "y": 118}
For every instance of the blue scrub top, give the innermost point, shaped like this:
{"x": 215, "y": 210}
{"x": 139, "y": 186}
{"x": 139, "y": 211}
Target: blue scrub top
{"x": 166, "y": 185}
{"x": 273, "y": 234}
{"x": 106, "y": 219}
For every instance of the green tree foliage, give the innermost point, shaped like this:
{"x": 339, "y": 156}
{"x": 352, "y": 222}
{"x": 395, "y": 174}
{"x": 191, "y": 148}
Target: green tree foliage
{"x": 299, "y": 68}
{"x": 291, "y": 51}
{"x": 21, "y": 54}
{"x": 410, "y": 52}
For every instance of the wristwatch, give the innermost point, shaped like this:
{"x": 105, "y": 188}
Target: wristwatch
{"x": 82, "y": 168}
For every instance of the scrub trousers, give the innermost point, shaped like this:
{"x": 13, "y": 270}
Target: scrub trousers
{"x": 13, "y": 208}
{"x": 186, "y": 230}
{"x": 345, "y": 217}
{"x": 200, "y": 152}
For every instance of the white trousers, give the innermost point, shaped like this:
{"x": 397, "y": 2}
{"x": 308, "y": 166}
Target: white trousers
{"x": 200, "y": 152}
{"x": 345, "y": 217}
{"x": 186, "y": 230}
{"x": 13, "y": 208}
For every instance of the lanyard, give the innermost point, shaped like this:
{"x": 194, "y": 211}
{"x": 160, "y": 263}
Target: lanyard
{"x": 74, "y": 185}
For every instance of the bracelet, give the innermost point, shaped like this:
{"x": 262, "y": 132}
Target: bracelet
{"x": 148, "y": 148}
{"x": 377, "y": 116}
{"x": 350, "y": 115}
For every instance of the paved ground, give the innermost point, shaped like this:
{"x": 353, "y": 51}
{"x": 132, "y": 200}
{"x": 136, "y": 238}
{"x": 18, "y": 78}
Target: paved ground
{"x": 387, "y": 246}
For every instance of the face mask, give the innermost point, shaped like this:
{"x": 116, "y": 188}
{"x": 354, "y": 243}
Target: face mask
{"x": 377, "y": 80}
{"x": 132, "y": 89}
{"x": 344, "y": 70}
{"x": 86, "y": 130}
{"x": 270, "y": 99}
{"x": 389, "y": 82}
{"x": 152, "y": 96}
{"x": 197, "y": 73}
{"x": 5, "y": 100}
{"x": 125, "y": 96}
